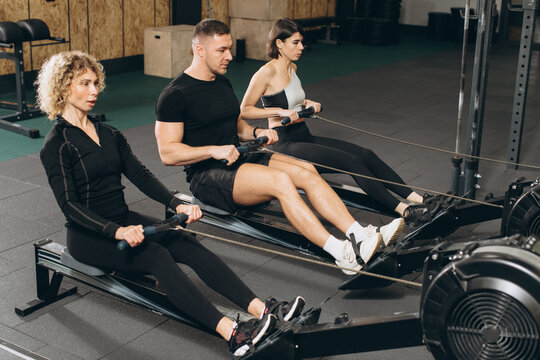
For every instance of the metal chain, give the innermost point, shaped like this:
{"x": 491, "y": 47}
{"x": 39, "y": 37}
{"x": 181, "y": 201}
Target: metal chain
{"x": 295, "y": 257}
{"x": 423, "y": 146}
{"x": 387, "y": 181}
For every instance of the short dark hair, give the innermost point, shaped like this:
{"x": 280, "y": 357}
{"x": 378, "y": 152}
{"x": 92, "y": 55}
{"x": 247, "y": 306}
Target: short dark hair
{"x": 210, "y": 27}
{"x": 282, "y": 29}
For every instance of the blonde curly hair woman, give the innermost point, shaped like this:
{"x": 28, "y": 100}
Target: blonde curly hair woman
{"x": 56, "y": 76}
{"x": 84, "y": 160}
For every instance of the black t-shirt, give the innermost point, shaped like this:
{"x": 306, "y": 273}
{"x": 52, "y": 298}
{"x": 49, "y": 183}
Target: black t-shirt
{"x": 208, "y": 109}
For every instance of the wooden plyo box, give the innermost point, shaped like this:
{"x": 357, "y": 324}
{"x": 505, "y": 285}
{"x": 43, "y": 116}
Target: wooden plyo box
{"x": 251, "y": 20}
{"x": 167, "y": 50}
{"x": 258, "y": 9}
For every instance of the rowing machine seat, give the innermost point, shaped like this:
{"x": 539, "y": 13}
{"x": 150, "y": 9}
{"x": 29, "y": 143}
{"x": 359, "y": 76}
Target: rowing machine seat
{"x": 69, "y": 261}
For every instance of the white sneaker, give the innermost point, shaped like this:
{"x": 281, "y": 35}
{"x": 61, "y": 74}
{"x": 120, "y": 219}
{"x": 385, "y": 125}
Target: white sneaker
{"x": 371, "y": 243}
{"x": 349, "y": 259}
{"x": 391, "y": 231}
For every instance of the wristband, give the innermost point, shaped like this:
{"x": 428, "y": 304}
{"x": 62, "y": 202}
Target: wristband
{"x": 255, "y": 130}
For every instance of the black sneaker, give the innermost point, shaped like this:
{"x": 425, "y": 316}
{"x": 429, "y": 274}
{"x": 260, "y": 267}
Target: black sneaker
{"x": 416, "y": 215}
{"x": 434, "y": 201}
{"x": 247, "y": 334}
{"x": 283, "y": 310}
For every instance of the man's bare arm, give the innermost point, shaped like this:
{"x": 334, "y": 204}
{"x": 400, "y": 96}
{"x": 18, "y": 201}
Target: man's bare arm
{"x": 172, "y": 151}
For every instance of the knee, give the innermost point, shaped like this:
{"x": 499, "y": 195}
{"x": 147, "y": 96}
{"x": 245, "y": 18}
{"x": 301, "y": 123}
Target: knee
{"x": 283, "y": 183}
{"x": 308, "y": 177}
{"x": 306, "y": 166}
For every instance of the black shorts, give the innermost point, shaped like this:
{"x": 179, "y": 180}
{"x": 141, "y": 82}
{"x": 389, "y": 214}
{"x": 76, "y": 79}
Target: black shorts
{"x": 214, "y": 184}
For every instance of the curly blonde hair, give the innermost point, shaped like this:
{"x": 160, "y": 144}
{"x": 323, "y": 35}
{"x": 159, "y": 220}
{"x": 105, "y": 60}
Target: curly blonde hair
{"x": 56, "y": 75}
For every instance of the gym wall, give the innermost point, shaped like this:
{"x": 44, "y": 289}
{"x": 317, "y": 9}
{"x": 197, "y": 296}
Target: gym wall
{"x": 297, "y": 9}
{"x": 108, "y": 29}
{"x": 114, "y": 29}
{"x": 415, "y": 12}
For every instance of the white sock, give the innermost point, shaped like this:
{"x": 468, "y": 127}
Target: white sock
{"x": 357, "y": 230}
{"x": 334, "y": 247}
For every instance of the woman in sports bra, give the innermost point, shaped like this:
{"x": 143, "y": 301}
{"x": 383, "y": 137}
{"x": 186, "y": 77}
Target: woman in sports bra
{"x": 281, "y": 93}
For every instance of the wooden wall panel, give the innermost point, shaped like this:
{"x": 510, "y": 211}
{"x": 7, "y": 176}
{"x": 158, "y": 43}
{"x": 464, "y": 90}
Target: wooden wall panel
{"x": 97, "y": 29}
{"x": 105, "y": 31}
{"x": 319, "y": 8}
{"x": 331, "y": 8}
{"x": 163, "y": 11}
{"x": 13, "y": 10}
{"x": 55, "y": 15}
{"x": 220, "y": 8}
{"x": 290, "y": 9}
{"x": 302, "y": 9}
{"x": 78, "y": 24}
{"x": 138, "y": 15}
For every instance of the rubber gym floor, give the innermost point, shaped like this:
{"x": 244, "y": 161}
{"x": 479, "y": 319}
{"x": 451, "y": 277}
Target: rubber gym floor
{"x": 407, "y": 91}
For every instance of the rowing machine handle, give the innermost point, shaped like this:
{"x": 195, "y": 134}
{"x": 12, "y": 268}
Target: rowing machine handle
{"x": 301, "y": 114}
{"x": 252, "y": 145}
{"x": 155, "y": 229}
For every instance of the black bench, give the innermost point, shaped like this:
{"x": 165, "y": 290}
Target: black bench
{"x": 12, "y": 36}
{"x": 323, "y": 21}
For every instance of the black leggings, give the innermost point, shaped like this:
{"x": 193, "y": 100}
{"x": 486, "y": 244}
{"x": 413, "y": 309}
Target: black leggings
{"x": 159, "y": 256}
{"x": 297, "y": 141}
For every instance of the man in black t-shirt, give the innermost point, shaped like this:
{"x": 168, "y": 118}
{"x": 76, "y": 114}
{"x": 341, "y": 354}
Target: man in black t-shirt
{"x": 198, "y": 124}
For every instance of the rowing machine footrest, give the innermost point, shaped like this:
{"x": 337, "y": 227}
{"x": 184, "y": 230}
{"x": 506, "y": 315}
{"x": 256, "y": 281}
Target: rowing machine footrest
{"x": 209, "y": 208}
{"x": 68, "y": 260}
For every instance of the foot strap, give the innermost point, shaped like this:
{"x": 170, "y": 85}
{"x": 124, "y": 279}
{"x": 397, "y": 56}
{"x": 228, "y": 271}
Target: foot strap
{"x": 356, "y": 248}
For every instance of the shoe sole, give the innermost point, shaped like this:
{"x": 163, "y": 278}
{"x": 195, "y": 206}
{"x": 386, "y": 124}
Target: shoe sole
{"x": 296, "y": 308}
{"x": 396, "y": 233}
{"x": 375, "y": 248}
{"x": 268, "y": 325}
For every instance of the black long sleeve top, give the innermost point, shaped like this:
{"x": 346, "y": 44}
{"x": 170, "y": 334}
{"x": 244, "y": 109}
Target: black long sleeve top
{"x": 86, "y": 177}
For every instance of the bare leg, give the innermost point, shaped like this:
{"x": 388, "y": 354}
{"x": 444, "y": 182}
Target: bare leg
{"x": 255, "y": 184}
{"x": 225, "y": 327}
{"x": 414, "y": 196}
{"x": 401, "y": 208}
{"x": 320, "y": 194}
{"x": 256, "y": 308}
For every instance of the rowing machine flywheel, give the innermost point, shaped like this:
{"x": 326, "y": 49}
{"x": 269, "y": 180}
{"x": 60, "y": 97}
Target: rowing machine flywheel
{"x": 483, "y": 302}
{"x": 522, "y": 210}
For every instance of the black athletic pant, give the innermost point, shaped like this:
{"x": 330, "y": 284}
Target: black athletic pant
{"x": 158, "y": 255}
{"x": 297, "y": 141}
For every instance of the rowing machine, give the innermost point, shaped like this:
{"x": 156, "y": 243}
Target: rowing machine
{"x": 480, "y": 299}
{"x": 267, "y": 223}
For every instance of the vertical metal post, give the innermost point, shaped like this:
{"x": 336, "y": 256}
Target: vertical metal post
{"x": 19, "y": 78}
{"x": 522, "y": 82}
{"x": 456, "y": 159}
{"x": 486, "y": 11}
